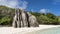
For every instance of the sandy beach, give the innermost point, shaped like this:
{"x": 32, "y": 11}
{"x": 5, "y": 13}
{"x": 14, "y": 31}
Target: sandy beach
{"x": 11, "y": 30}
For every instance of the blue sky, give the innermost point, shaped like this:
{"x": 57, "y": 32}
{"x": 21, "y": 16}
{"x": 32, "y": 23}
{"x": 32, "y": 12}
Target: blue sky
{"x": 52, "y": 6}
{"x": 42, "y": 6}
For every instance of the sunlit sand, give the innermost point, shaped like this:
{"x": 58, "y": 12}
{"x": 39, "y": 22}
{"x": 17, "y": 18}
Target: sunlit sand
{"x": 11, "y": 30}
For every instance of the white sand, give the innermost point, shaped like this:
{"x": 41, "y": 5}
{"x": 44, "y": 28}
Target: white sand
{"x": 11, "y": 30}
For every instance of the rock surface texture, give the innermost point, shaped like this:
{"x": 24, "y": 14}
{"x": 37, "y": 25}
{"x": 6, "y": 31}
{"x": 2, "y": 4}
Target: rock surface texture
{"x": 24, "y": 19}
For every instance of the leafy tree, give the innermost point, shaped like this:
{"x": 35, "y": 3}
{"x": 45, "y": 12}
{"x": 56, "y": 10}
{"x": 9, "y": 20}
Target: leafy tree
{"x": 50, "y": 15}
{"x": 6, "y": 15}
{"x": 5, "y": 21}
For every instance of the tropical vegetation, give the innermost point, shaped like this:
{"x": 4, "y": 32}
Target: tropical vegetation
{"x": 6, "y": 17}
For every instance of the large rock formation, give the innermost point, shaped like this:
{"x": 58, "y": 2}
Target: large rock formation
{"x": 32, "y": 20}
{"x": 24, "y": 19}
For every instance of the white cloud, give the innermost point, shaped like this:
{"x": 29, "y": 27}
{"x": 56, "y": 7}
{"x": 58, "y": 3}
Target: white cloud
{"x": 23, "y": 5}
{"x": 56, "y": 2}
{"x": 14, "y": 3}
{"x": 44, "y": 11}
{"x": 32, "y": 10}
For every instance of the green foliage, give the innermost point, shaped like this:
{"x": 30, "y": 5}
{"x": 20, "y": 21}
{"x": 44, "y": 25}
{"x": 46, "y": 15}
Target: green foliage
{"x": 35, "y": 14}
{"x": 6, "y": 15}
{"x": 48, "y": 18}
{"x": 5, "y": 21}
{"x": 42, "y": 19}
{"x": 50, "y": 15}
{"x": 59, "y": 19}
